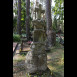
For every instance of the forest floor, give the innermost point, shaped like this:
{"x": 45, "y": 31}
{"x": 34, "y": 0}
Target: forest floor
{"x": 55, "y": 62}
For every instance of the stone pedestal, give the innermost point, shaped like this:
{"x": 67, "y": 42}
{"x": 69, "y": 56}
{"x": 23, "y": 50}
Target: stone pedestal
{"x": 36, "y": 59}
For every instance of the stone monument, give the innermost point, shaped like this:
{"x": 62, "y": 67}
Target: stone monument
{"x": 36, "y": 59}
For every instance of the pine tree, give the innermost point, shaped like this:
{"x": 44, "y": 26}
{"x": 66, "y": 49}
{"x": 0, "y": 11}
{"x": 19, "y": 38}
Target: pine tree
{"x": 27, "y": 18}
{"x": 19, "y": 18}
{"x": 49, "y": 23}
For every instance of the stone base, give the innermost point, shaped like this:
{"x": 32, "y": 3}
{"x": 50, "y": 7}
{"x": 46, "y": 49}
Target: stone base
{"x": 36, "y": 63}
{"x": 36, "y": 59}
{"x": 46, "y": 73}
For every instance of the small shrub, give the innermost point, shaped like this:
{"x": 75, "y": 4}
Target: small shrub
{"x": 16, "y": 38}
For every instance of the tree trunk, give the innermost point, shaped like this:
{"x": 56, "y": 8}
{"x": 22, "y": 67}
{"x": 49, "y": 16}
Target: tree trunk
{"x": 19, "y": 18}
{"x": 55, "y": 21}
{"x": 27, "y": 18}
{"x": 49, "y": 23}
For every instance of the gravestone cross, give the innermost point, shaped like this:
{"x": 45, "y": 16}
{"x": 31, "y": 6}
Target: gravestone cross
{"x": 39, "y": 11}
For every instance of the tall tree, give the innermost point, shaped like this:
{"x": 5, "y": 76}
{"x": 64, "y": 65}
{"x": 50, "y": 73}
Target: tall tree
{"x": 27, "y": 18}
{"x": 19, "y": 18}
{"x": 49, "y": 23}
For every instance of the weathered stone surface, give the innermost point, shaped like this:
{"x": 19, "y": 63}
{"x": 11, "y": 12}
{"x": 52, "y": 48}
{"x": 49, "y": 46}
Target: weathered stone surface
{"x": 36, "y": 59}
{"x": 36, "y": 62}
{"x": 39, "y": 34}
{"x": 37, "y": 48}
{"x": 38, "y": 24}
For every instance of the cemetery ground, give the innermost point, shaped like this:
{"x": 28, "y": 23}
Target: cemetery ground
{"x": 55, "y": 62}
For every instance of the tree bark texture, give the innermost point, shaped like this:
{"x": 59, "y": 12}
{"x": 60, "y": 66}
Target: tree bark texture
{"x": 27, "y": 18}
{"x": 49, "y": 22}
{"x": 19, "y": 18}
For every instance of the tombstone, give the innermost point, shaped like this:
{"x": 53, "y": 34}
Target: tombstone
{"x": 36, "y": 59}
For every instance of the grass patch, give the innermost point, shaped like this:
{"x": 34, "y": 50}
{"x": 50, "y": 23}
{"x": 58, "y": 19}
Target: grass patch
{"x": 56, "y": 60}
{"x": 57, "y": 69}
{"x": 18, "y": 58}
{"x": 56, "y": 48}
{"x": 56, "y": 74}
